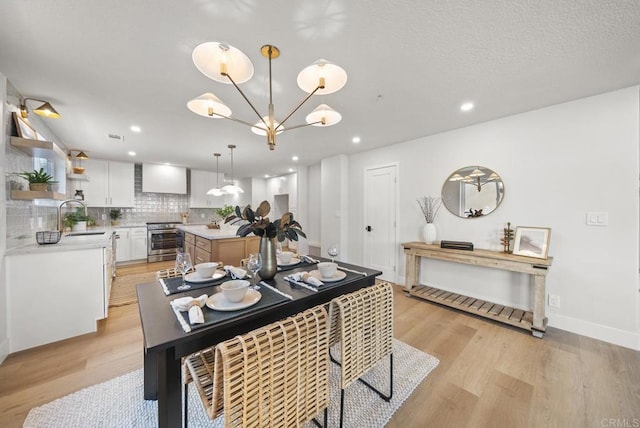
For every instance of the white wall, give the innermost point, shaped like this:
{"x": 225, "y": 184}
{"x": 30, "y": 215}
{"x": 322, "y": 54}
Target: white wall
{"x": 557, "y": 163}
{"x": 313, "y": 190}
{"x": 335, "y": 206}
{"x": 4, "y": 114}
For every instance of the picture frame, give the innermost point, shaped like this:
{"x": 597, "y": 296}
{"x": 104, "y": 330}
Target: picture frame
{"x": 25, "y": 130}
{"x": 532, "y": 241}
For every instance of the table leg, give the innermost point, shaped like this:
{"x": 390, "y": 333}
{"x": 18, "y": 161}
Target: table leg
{"x": 412, "y": 271}
{"x": 150, "y": 375}
{"x": 169, "y": 390}
{"x": 538, "y": 305}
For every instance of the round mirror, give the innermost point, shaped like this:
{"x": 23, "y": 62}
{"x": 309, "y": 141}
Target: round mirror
{"x": 472, "y": 191}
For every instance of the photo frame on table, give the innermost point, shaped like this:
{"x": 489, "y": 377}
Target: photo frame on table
{"x": 532, "y": 241}
{"x": 24, "y": 129}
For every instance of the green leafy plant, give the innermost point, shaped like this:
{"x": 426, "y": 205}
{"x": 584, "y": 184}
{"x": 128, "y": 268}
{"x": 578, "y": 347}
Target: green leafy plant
{"x": 78, "y": 215}
{"x": 260, "y": 225}
{"x": 37, "y": 176}
{"x": 225, "y": 212}
{"x": 115, "y": 214}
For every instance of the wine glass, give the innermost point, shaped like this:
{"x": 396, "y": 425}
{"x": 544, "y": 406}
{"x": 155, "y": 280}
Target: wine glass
{"x": 333, "y": 250}
{"x": 183, "y": 264}
{"x": 255, "y": 264}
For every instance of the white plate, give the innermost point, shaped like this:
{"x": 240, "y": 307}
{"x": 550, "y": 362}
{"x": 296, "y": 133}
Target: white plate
{"x": 293, "y": 261}
{"x": 193, "y": 277}
{"x": 339, "y": 275}
{"x": 218, "y": 302}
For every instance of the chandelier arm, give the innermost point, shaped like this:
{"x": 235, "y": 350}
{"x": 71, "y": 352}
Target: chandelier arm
{"x": 296, "y": 109}
{"x": 301, "y": 126}
{"x": 247, "y": 100}
{"x": 251, "y": 125}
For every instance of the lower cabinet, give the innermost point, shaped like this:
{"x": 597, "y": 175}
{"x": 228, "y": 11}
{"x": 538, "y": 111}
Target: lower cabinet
{"x": 132, "y": 243}
{"x": 227, "y": 250}
{"x": 55, "y": 295}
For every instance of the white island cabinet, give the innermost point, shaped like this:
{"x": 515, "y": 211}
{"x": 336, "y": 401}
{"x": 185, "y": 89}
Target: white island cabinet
{"x": 54, "y": 295}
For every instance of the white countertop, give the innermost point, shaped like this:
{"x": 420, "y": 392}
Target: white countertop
{"x": 203, "y": 231}
{"x": 67, "y": 243}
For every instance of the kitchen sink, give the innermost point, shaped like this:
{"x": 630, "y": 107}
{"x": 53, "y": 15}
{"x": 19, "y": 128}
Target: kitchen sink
{"x": 84, "y": 233}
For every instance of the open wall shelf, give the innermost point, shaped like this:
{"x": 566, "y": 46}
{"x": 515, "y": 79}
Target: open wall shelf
{"x": 32, "y": 194}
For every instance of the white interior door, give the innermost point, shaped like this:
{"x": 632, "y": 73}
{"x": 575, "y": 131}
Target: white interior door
{"x": 380, "y": 245}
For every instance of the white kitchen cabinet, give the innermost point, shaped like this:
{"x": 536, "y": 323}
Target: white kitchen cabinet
{"x": 131, "y": 243}
{"x": 138, "y": 243}
{"x": 110, "y": 184}
{"x": 201, "y": 182}
{"x": 123, "y": 244}
{"x": 55, "y": 295}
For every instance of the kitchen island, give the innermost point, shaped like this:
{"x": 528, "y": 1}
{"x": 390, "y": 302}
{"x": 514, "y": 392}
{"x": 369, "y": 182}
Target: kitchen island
{"x": 214, "y": 245}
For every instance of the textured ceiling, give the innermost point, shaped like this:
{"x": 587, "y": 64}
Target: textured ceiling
{"x": 108, "y": 65}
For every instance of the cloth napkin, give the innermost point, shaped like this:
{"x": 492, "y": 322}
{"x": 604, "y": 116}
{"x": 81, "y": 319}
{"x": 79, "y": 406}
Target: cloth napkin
{"x": 305, "y": 277}
{"x": 308, "y": 259}
{"x": 235, "y": 272}
{"x": 193, "y": 305}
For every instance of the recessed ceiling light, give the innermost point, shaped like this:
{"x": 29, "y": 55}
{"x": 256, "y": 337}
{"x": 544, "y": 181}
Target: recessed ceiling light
{"x": 291, "y": 169}
{"x": 355, "y": 140}
{"x": 294, "y": 158}
{"x": 132, "y": 153}
{"x": 135, "y": 128}
{"x": 267, "y": 176}
{"x": 466, "y": 107}
{"x": 167, "y": 164}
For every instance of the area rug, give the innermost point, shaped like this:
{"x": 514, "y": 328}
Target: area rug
{"x": 123, "y": 289}
{"x": 118, "y": 403}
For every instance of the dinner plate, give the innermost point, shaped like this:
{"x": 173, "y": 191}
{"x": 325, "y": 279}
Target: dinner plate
{"x": 339, "y": 275}
{"x": 193, "y": 277}
{"x": 218, "y": 302}
{"x": 293, "y": 261}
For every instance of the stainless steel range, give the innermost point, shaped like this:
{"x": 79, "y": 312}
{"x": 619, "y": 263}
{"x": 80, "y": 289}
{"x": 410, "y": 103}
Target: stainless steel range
{"x": 163, "y": 241}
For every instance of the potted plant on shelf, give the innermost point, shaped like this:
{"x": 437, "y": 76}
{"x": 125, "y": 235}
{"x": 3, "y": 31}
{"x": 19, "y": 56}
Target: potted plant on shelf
{"x": 115, "y": 215}
{"x": 78, "y": 220}
{"x": 38, "y": 180}
{"x": 268, "y": 231}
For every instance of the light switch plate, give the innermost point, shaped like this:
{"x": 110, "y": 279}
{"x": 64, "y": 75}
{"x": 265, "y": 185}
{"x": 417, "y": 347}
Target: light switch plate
{"x": 597, "y": 218}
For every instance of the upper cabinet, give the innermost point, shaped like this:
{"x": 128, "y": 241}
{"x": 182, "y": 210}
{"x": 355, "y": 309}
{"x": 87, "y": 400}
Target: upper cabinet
{"x": 201, "y": 182}
{"x": 111, "y": 184}
{"x": 164, "y": 179}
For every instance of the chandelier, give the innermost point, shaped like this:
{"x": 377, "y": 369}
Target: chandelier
{"x": 476, "y": 178}
{"x": 226, "y": 64}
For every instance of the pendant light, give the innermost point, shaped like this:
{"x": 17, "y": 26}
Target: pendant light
{"x": 217, "y": 191}
{"x": 232, "y": 188}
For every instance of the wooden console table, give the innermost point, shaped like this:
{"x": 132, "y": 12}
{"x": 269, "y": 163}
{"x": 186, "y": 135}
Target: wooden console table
{"x": 534, "y": 320}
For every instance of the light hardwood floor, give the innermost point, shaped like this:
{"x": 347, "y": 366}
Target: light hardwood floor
{"x": 490, "y": 375}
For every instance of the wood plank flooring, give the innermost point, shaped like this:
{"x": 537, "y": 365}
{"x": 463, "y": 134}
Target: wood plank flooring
{"x": 490, "y": 374}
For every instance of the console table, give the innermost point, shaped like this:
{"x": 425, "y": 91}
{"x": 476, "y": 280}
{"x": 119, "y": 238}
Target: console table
{"x": 533, "y": 320}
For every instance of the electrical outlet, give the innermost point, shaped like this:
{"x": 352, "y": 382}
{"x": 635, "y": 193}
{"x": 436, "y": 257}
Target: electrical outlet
{"x": 554, "y": 301}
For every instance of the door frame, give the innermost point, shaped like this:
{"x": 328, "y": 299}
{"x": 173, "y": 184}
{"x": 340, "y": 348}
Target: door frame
{"x": 365, "y": 250}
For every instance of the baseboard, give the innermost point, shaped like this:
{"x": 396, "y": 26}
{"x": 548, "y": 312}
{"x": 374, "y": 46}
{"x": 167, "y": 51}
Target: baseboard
{"x": 607, "y": 334}
{"x": 4, "y": 350}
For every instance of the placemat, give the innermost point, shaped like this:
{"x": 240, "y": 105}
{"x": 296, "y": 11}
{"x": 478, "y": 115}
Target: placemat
{"x": 296, "y": 266}
{"x": 324, "y": 286}
{"x": 170, "y": 285}
{"x": 269, "y": 298}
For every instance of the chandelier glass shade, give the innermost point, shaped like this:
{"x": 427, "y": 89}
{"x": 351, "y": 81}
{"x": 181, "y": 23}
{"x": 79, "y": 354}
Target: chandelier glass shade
{"x": 227, "y": 64}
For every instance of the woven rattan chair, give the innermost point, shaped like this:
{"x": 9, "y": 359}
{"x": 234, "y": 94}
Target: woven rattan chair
{"x": 275, "y": 376}
{"x": 363, "y": 324}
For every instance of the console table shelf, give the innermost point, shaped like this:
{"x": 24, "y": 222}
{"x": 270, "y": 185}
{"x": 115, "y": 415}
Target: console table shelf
{"x": 533, "y": 320}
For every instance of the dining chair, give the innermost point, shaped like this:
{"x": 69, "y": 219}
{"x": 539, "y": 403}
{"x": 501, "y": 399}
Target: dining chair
{"x": 170, "y": 273}
{"x": 362, "y": 322}
{"x": 275, "y": 376}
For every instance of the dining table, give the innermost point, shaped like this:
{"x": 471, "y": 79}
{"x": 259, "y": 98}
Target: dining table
{"x": 166, "y": 342}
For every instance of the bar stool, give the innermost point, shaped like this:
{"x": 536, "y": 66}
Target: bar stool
{"x": 363, "y": 324}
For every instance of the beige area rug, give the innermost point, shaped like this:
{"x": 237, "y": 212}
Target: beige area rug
{"x": 123, "y": 289}
{"x": 119, "y": 403}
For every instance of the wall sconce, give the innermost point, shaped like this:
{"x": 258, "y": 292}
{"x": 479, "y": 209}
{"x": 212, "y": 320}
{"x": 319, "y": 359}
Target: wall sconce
{"x": 45, "y": 110}
{"x": 80, "y": 156}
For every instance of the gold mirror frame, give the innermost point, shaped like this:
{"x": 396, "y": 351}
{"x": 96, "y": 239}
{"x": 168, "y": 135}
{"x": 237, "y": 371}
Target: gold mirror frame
{"x": 472, "y": 192}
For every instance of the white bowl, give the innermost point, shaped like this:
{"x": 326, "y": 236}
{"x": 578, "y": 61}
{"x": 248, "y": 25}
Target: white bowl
{"x": 285, "y": 256}
{"x": 327, "y": 269}
{"x": 235, "y": 290}
{"x": 206, "y": 270}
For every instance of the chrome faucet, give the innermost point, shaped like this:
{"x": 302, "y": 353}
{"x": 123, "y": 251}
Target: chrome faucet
{"x": 59, "y": 218}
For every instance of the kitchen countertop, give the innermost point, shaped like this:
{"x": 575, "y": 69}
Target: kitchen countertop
{"x": 67, "y": 243}
{"x": 203, "y": 231}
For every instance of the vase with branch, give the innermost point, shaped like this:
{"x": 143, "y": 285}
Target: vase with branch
{"x": 430, "y": 205}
